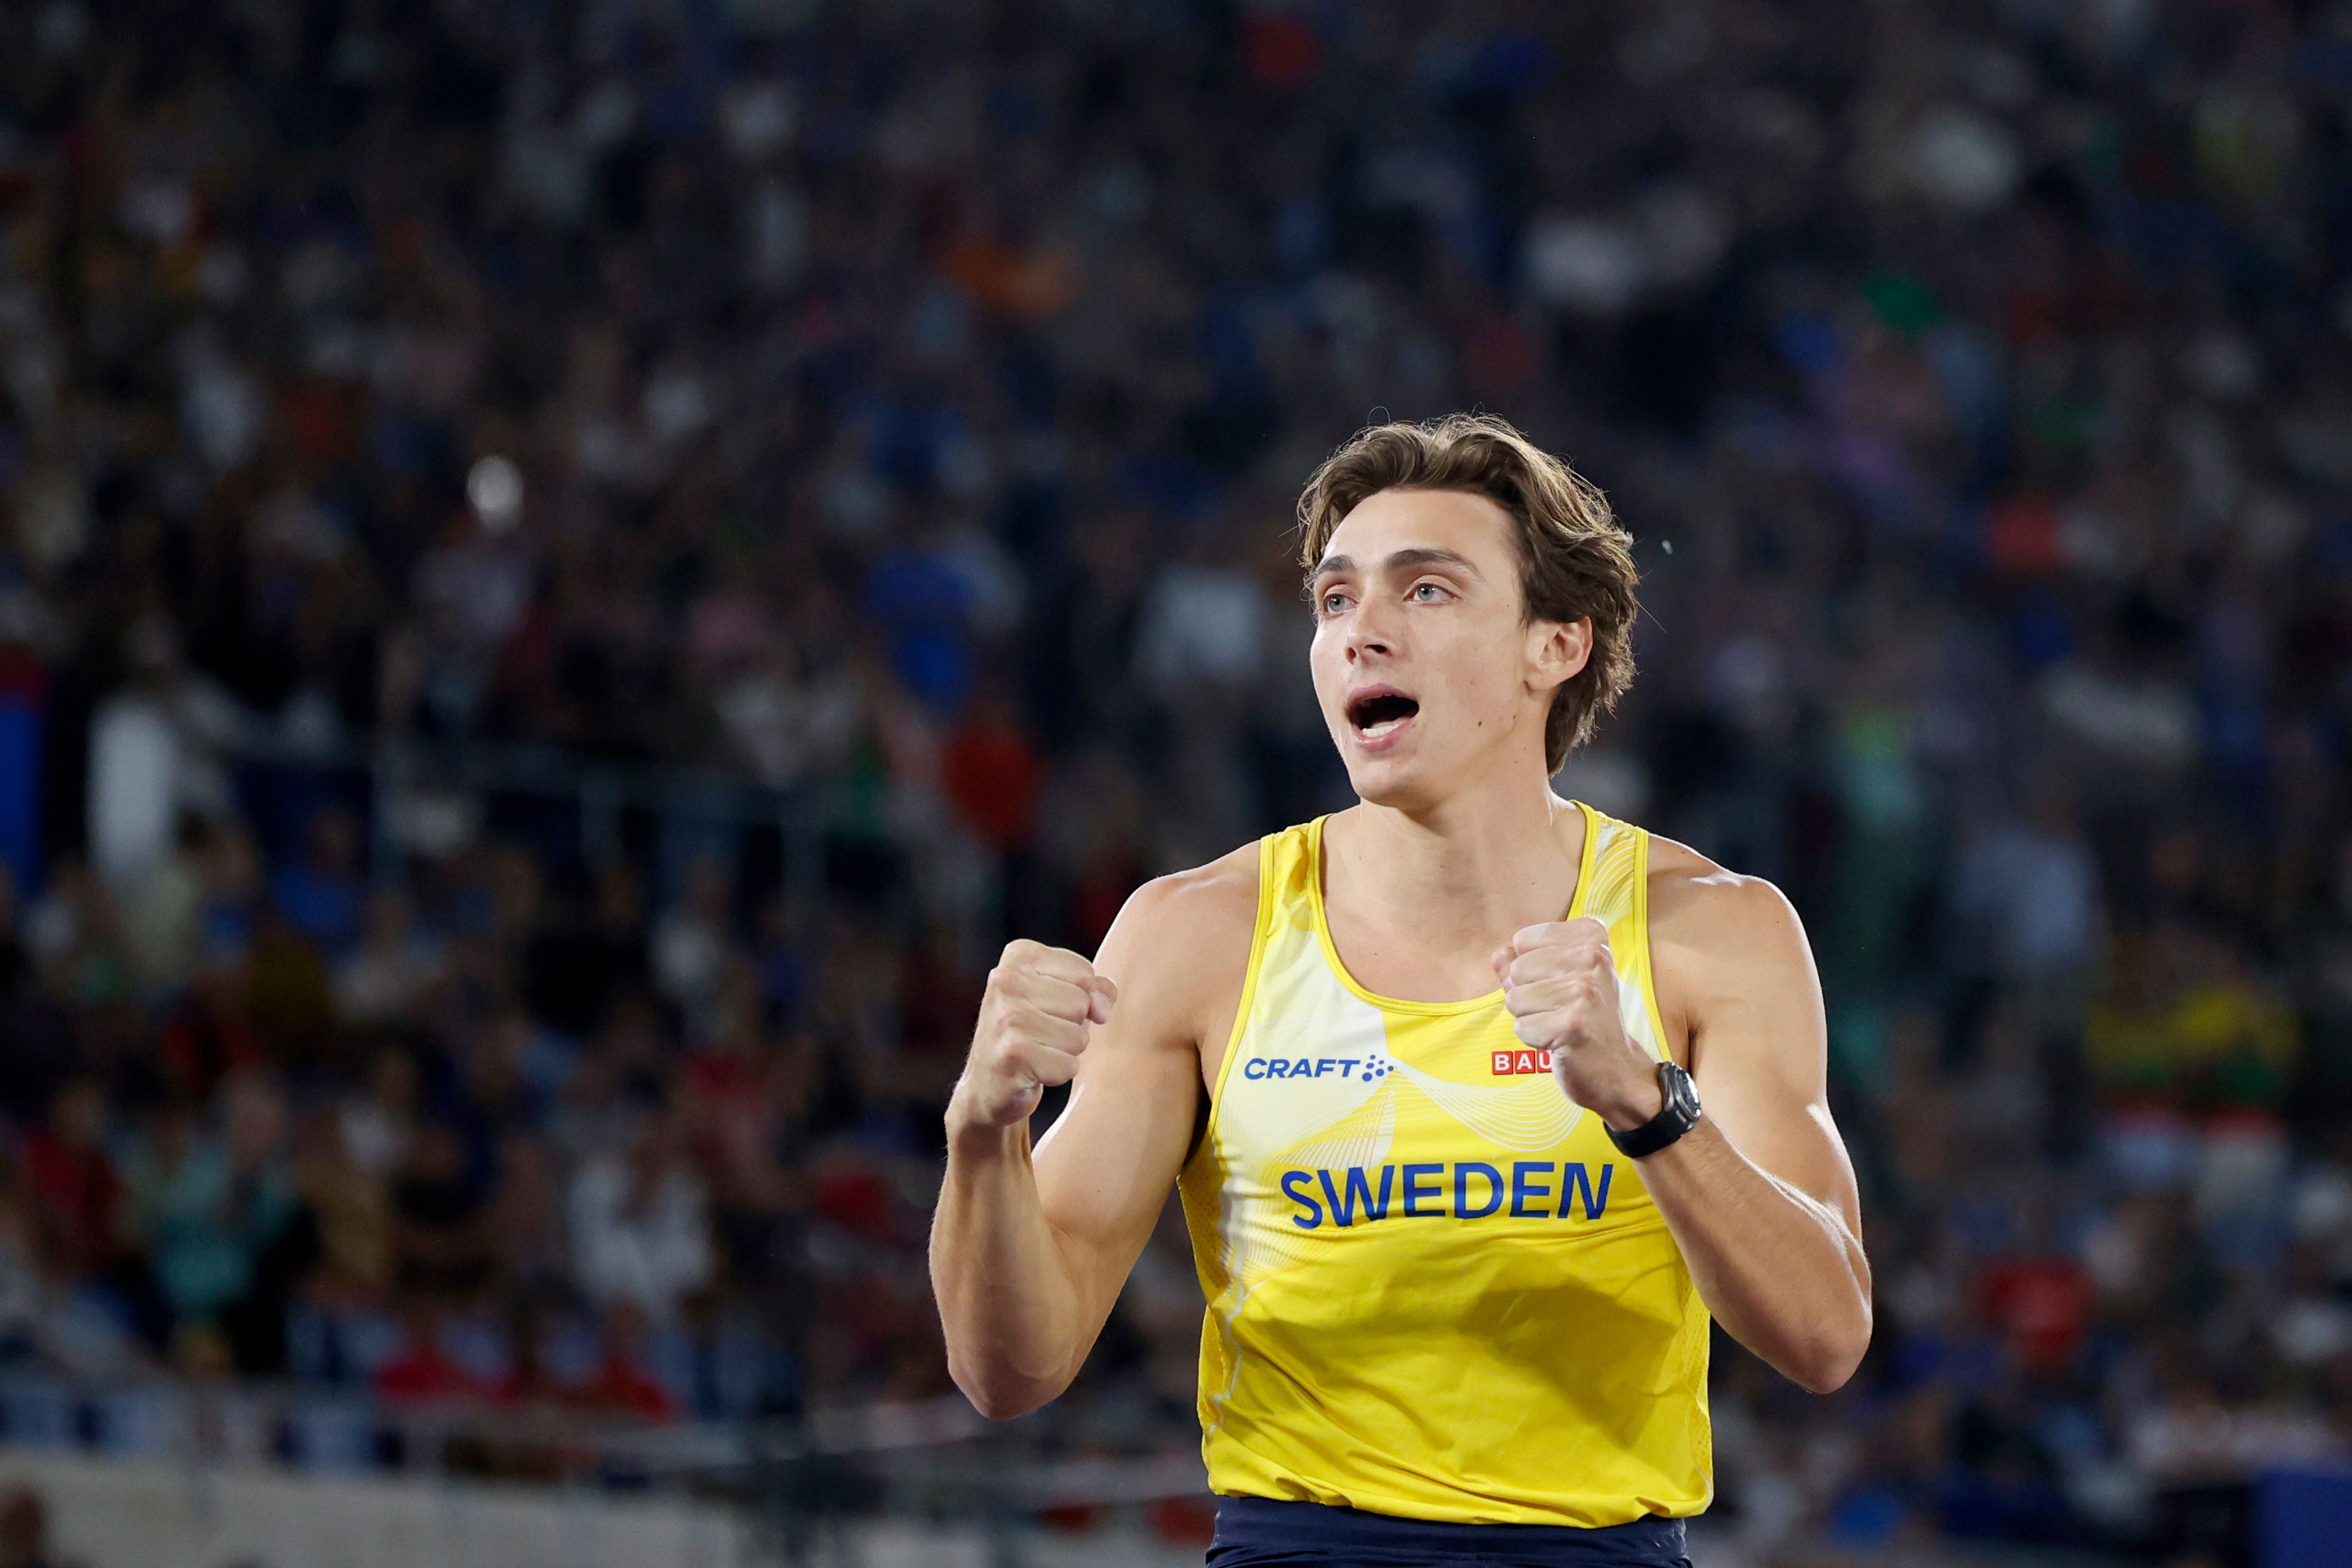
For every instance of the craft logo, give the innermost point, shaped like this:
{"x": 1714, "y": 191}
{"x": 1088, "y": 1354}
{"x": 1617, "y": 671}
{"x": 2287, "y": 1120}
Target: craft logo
{"x": 1525, "y": 1060}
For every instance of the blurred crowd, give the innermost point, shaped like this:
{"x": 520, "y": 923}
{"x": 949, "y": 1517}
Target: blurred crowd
{"x": 896, "y": 407}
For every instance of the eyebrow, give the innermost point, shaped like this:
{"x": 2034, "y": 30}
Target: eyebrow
{"x": 1413, "y": 555}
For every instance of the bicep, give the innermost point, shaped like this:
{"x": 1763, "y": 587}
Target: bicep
{"x": 1759, "y": 1052}
{"x": 1105, "y": 1167}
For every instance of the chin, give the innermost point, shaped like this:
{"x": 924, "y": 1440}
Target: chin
{"x": 1395, "y": 784}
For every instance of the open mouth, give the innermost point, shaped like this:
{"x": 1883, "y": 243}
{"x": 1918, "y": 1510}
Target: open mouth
{"x": 1375, "y": 713}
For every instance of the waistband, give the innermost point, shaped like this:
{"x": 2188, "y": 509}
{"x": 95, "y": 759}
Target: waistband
{"x": 1264, "y": 1533}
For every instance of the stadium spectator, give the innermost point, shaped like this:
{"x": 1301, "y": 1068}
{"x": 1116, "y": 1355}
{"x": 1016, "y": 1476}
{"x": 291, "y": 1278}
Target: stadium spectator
{"x": 24, "y": 1531}
{"x": 639, "y": 1223}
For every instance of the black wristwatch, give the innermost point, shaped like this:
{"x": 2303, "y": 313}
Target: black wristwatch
{"x": 1677, "y": 1117}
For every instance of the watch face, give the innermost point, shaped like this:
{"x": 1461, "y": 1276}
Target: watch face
{"x": 1681, "y": 1092}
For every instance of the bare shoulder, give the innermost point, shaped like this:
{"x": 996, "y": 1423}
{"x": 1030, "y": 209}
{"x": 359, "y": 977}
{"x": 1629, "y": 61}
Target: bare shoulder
{"x": 1719, "y": 938}
{"x": 1699, "y": 905}
{"x": 1218, "y": 900}
{"x": 1182, "y": 941}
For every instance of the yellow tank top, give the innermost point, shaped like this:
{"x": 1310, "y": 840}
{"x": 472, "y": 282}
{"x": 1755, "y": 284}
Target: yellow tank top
{"x": 1436, "y": 1288}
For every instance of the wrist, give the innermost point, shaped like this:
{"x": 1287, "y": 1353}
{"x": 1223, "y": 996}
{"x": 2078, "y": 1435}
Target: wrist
{"x": 1637, "y": 1102}
{"x": 971, "y": 1138}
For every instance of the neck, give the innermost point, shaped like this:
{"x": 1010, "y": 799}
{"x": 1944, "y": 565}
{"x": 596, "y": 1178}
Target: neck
{"x": 1484, "y": 862}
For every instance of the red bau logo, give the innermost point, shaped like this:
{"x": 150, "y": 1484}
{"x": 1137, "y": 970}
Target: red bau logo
{"x": 1508, "y": 1062}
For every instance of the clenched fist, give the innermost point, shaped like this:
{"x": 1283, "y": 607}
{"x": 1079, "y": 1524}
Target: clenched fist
{"x": 1560, "y": 985}
{"x": 1033, "y": 1028}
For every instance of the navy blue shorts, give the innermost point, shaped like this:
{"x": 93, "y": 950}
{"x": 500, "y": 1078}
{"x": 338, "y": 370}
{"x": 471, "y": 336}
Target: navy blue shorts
{"x": 1260, "y": 1532}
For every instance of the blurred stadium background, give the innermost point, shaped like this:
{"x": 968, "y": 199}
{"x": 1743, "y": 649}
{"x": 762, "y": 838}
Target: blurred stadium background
{"x": 572, "y": 568}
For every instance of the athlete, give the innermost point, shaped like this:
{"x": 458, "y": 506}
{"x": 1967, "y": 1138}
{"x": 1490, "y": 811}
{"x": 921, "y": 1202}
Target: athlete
{"x": 1461, "y": 1240}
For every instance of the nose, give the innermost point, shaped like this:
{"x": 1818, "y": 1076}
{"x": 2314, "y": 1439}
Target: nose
{"x": 1369, "y": 633}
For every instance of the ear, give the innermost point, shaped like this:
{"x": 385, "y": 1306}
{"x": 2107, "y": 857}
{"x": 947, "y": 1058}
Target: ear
{"x": 1556, "y": 651}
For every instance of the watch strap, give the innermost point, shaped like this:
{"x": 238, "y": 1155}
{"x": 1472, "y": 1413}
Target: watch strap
{"x": 1677, "y": 1116}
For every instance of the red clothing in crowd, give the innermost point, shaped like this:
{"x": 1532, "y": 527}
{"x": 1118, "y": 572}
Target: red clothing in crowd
{"x": 991, "y": 777}
{"x": 201, "y": 1043}
{"x": 422, "y": 1375}
{"x": 2044, "y": 1304}
{"x": 80, "y": 1199}
{"x": 621, "y": 1387}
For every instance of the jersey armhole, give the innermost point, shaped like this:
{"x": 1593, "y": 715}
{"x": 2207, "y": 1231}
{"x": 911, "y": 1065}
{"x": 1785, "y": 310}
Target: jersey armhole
{"x": 1649, "y": 950}
{"x": 1260, "y": 930}
{"x": 1200, "y": 1109}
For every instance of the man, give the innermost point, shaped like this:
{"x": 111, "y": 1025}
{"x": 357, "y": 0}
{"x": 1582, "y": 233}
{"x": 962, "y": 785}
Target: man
{"x": 1461, "y": 1244}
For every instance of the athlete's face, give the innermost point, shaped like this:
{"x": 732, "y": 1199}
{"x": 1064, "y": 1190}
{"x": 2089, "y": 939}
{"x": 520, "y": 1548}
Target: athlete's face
{"x": 1427, "y": 669}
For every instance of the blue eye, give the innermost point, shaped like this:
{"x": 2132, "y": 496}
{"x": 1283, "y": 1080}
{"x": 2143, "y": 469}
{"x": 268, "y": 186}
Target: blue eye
{"x": 1421, "y": 588}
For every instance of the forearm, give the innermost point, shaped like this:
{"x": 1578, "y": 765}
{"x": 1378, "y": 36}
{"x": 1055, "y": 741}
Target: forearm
{"x": 1007, "y": 1300}
{"x": 1780, "y": 1269}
